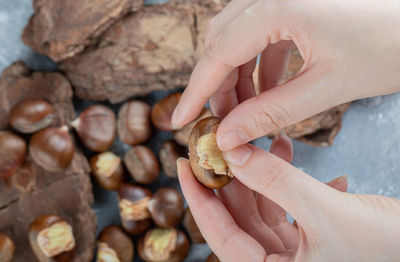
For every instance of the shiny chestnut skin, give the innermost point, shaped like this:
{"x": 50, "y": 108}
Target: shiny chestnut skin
{"x": 52, "y": 148}
{"x": 161, "y": 112}
{"x": 113, "y": 242}
{"x": 191, "y": 227}
{"x": 208, "y": 176}
{"x": 12, "y": 153}
{"x": 169, "y": 153}
{"x": 96, "y": 127}
{"x": 133, "y": 201}
{"x": 108, "y": 170}
{"x": 47, "y": 228}
{"x": 163, "y": 245}
{"x": 212, "y": 258}
{"x": 31, "y": 115}
{"x": 7, "y": 248}
{"x": 134, "y": 122}
{"x": 142, "y": 164}
{"x": 166, "y": 207}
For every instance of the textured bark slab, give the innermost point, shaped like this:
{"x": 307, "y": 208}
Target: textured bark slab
{"x": 61, "y": 29}
{"x": 33, "y": 191}
{"x": 150, "y": 50}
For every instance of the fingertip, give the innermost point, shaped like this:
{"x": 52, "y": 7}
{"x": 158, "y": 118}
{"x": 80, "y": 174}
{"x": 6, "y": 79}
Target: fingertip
{"x": 282, "y": 147}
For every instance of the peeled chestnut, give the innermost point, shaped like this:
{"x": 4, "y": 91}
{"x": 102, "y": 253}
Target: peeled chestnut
{"x": 31, "y": 115}
{"x": 191, "y": 227}
{"x": 108, "y": 170}
{"x": 52, "y": 148}
{"x": 162, "y": 111}
{"x": 96, "y": 127}
{"x": 163, "y": 245}
{"x": 182, "y": 135}
{"x": 142, "y": 164}
{"x": 166, "y": 207}
{"x": 113, "y": 245}
{"x": 7, "y": 248}
{"x": 52, "y": 239}
{"x": 206, "y": 159}
{"x": 169, "y": 152}
{"x": 133, "y": 202}
{"x": 12, "y": 153}
{"x": 212, "y": 258}
{"x": 134, "y": 123}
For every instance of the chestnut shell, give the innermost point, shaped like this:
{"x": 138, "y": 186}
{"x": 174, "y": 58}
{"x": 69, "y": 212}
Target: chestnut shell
{"x": 191, "y": 227}
{"x": 205, "y": 176}
{"x": 212, "y": 258}
{"x": 162, "y": 111}
{"x": 169, "y": 153}
{"x": 116, "y": 239}
{"x": 112, "y": 182}
{"x": 7, "y": 248}
{"x": 12, "y": 153}
{"x": 142, "y": 164}
{"x": 166, "y": 207}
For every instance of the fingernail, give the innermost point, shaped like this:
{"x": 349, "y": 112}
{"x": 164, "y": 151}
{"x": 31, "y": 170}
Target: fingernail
{"x": 179, "y": 160}
{"x": 339, "y": 179}
{"x": 281, "y": 135}
{"x": 231, "y": 139}
{"x": 238, "y": 156}
{"x": 174, "y": 118}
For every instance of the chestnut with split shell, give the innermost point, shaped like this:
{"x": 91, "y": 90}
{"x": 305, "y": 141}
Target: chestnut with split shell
{"x": 169, "y": 153}
{"x": 163, "y": 245}
{"x": 161, "y": 112}
{"x": 52, "y": 239}
{"x": 206, "y": 159}
{"x": 12, "y": 153}
{"x": 142, "y": 164}
{"x": 191, "y": 227}
{"x": 108, "y": 170}
{"x": 7, "y": 248}
{"x": 113, "y": 245}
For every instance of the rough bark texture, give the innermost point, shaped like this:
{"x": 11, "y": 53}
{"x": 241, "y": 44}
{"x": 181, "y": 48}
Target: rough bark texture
{"x": 33, "y": 191}
{"x": 61, "y": 29}
{"x": 150, "y": 50}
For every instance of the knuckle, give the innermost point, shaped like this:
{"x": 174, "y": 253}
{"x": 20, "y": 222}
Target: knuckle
{"x": 276, "y": 174}
{"x": 271, "y": 117}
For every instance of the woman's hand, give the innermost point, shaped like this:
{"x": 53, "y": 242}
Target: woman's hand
{"x": 331, "y": 225}
{"x": 351, "y": 50}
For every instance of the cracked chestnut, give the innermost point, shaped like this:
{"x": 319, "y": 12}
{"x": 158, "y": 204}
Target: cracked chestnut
{"x": 12, "y": 153}
{"x": 169, "y": 153}
{"x": 142, "y": 164}
{"x": 161, "y": 112}
{"x": 7, "y": 248}
{"x": 191, "y": 227}
{"x": 113, "y": 245}
{"x": 108, "y": 170}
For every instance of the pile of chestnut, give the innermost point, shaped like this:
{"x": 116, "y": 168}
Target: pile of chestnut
{"x": 153, "y": 217}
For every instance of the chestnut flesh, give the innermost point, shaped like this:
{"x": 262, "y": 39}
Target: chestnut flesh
{"x": 7, "y": 248}
{"x": 142, "y": 164}
{"x": 134, "y": 123}
{"x": 206, "y": 159}
{"x": 108, "y": 170}
{"x": 191, "y": 227}
{"x": 96, "y": 127}
{"x": 52, "y": 148}
{"x": 12, "y": 153}
{"x": 162, "y": 111}
{"x": 31, "y": 115}
{"x": 166, "y": 207}
{"x": 133, "y": 201}
{"x": 163, "y": 245}
{"x": 169, "y": 153}
{"x": 113, "y": 245}
{"x": 212, "y": 258}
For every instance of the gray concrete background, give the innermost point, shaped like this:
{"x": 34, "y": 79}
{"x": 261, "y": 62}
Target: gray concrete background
{"x": 367, "y": 148}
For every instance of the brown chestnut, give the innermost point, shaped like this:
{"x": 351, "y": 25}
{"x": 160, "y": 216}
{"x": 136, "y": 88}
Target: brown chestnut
{"x": 133, "y": 202}
{"x": 162, "y": 111}
{"x": 96, "y": 127}
{"x": 169, "y": 152}
{"x": 206, "y": 159}
{"x": 142, "y": 164}
{"x": 52, "y": 239}
{"x": 113, "y": 245}
{"x": 31, "y": 115}
{"x": 12, "y": 153}
{"x": 7, "y": 248}
{"x": 166, "y": 207}
{"x": 212, "y": 258}
{"x": 182, "y": 135}
{"x": 52, "y": 148}
{"x": 108, "y": 170}
{"x": 163, "y": 245}
{"x": 134, "y": 123}
{"x": 191, "y": 227}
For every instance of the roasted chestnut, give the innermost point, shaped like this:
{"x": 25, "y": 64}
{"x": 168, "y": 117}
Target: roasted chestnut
{"x": 212, "y": 258}
{"x": 96, "y": 127}
{"x": 166, "y": 207}
{"x": 7, "y": 248}
{"x": 108, "y": 170}
{"x": 12, "y": 153}
{"x": 52, "y": 148}
{"x": 133, "y": 202}
{"x": 142, "y": 164}
{"x": 206, "y": 159}
{"x": 52, "y": 239}
{"x": 169, "y": 152}
{"x": 134, "y": 123}
{"x": 113, "y": 245}
{"x": 182, "y": 135}
{"x": 31, "y": 115}
{"x": 191, "y": 227}
{"x": 162, "y": 111}
{"x": 163, "y": 245}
